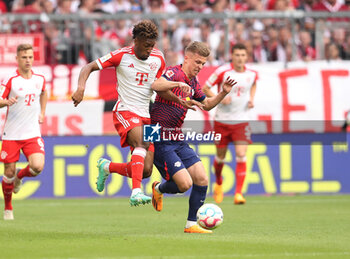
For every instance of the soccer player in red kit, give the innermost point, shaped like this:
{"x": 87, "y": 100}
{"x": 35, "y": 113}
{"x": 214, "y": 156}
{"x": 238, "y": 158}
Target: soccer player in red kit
{"x": 231, "y": 118}
{"x": 25, "y": 97}
{"x": 137, "y": 67}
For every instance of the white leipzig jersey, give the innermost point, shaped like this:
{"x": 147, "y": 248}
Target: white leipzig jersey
{"x": 22, "y": 118}
{"x": 237, "y": 111}
{"x": 134, "y": 78}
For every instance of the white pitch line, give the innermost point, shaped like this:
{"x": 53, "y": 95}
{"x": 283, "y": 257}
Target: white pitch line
{"x": 278, "y": 255}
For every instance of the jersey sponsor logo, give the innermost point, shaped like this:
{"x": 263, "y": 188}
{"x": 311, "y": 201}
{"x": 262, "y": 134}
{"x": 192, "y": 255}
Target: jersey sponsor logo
{"x": 153, "y": 66}
{"x": 3, "y": 154}
{"x": 141, "y": 77}
{"x": 239, "y": 90}
{"x": 29, "y": 99}
{"x": 169, "y": 73}
{"x": 131, "y": 65}
{"x": 105, "y": 58}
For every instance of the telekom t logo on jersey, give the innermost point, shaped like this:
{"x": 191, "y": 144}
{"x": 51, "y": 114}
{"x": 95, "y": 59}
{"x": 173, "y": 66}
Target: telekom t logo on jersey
{"x": 141, "y": 77}
{"x": 239, "y": 90}
{"x": 29, "y": 99}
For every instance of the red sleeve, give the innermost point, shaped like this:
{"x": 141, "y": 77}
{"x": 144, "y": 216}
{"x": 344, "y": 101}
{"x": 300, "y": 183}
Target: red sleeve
{"x": 112, "y": 59}
{"x": 5, "y": 88}
{"x": 162, "y": 67}
{"x": 256, "y": 76}
{"x": 44, "y": 85}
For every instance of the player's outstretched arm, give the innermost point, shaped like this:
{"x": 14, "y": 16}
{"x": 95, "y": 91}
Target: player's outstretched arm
{"x": 211, "y": 102}
{"x": 84, "y": 74}
{"x": 188, "y": 104}
{"x": 43, "y": 102}
{"x": 207, "y": 91}
{"x": 162, "y": 84}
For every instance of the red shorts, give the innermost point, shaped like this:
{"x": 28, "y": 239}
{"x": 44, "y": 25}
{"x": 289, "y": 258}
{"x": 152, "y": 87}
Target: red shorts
{"x": 125, "y": 121}
{"x": 10, "y": 150}
{"x": 231, "y": 133}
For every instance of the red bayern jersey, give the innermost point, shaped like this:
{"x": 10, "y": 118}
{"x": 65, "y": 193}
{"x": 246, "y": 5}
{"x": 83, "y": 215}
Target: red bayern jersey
{"x": 22, "y": 118}
{"x": 134, "y": 78}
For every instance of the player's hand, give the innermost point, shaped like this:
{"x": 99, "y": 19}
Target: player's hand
{"x": 190, "y": 104}
{"x": 12, "y": 101}
{"x": 185, "y": 88}
{"x": 250, "y": 104}
{"x": 41, "y": 118}
{"x": 228, "y": 84}
{"x": 78, "y": 96}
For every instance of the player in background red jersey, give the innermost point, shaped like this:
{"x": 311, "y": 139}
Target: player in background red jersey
{"x": 231, "y": 118}
{"x": 25, "y": 97}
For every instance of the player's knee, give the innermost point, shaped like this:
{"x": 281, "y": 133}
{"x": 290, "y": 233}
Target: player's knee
{"x": 142, "y": 144}
{"x": 147, "y": 172}
{"x": 202, "y": 180}
{"x": 240, "y": 158}
{"x": 9, "y": 173}
{"x": 185, "y": 185}
{"x": 36, "y": 169}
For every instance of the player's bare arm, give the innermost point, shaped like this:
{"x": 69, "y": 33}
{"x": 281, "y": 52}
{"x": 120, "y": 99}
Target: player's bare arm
{"x": 43, "y": 102}
{"x": 252, "y": 95}
{"x": 85, "y": 72}
{"x": 8, "y": 102}
{"x": 208, "y": 92}
{"x": 211, "y": 102}
{"x": 161, "y": 84}
{"x": 185, "y": 102}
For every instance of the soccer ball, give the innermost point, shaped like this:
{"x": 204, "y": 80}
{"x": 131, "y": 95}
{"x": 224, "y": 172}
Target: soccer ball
{"x": 209, "y": 216}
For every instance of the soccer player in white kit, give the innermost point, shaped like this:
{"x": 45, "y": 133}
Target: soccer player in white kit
{"x": 137, "y": 67}
{"x": 25, "y": 97}
{"x": 231, "y": 118}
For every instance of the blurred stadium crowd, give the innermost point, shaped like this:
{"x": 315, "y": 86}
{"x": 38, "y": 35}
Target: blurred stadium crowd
{"x": 267, "y": 39}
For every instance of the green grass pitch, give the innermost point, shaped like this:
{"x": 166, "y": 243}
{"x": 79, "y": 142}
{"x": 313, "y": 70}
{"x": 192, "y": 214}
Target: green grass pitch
{"x": 266, "y": 227}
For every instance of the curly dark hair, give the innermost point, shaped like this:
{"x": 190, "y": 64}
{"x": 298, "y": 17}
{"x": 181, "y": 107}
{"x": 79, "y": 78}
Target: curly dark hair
{"x": 145, "y": 29}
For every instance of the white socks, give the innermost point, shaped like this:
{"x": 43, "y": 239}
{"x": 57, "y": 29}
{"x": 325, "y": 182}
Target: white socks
{"x": 135, "y": 191}
{"x": 190, "y": 223}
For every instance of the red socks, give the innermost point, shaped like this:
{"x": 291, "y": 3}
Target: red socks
{"x": 240, "y": 172}
{"x": 120, "y": 168}
{"x": 125, "y": 168}
{"x": 25, "y": 172}
{"x": 7, "y": 189}
{"x": 218, "y": 169}
{"x": 137, "y": 164}
{"x": 241, "y": 168}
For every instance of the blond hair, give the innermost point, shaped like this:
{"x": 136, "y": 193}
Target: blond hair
{"x": 199, "y": 48}
{"x": 22, "y": 47}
